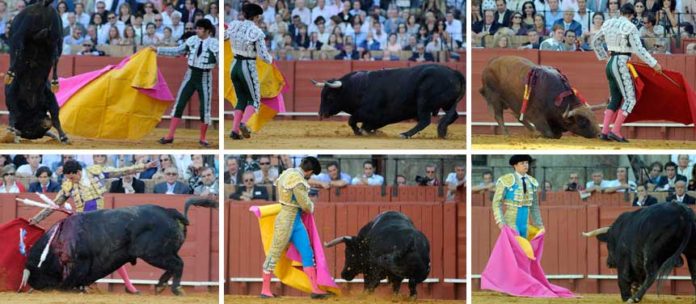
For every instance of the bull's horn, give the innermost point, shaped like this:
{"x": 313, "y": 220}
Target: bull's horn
{"x": 334, "y": 84}
{"x": 596, "y": 232}
{"x": 318, "y": 84}
{"x": 567, "y": 110}
{"x": 25, "y": 278}
{"x": 598, "y": 107}
{"x": 338, "y": 240}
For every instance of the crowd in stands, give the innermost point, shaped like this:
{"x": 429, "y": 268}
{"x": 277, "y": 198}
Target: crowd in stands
{"x": 673, "y": 177}
{"x": 174, "y": 174}
{"x": 90, "y": 27}
{"x": 568, "y": 25}
{"x": 252, "y": 177}
{"x": 418, "y": 30}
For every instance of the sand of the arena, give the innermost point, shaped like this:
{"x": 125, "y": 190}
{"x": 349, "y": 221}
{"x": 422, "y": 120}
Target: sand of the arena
{"x": 299, "y": 134}
{"x": 569, "y": 142}
{"x": 497, "y": 298}
{"x": 184, "y": 139}
{"x": 105, "y": 298}
{"x": 360, "y": 299}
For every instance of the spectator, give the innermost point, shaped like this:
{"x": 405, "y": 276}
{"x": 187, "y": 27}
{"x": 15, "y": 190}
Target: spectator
{"x": 487, "y": 26}
{"x": 430, "y": 178}
{"x": 188, "y": 13}
{"x": 71, "y": 24}
{"x": 554, "y": 43}
{"x": 171, "y": 185}
{"x": 667, "y": 183}
{"x": 345, "y": 16}
{"x": 532, "y": 41}
{"x": 302, "y": 11}
{"x": 388, "y": 56}
{"x": 368, "y": 177}
{"x": 147, "y": 173}
{"x": 573, "y": 183}
{"x": 314, "y": 43}
{"x": 413, "y": 27}
{"x": 321, "y": 30}
{"x": 684, "y": 166}
{"x": 548, "y": 187}
{"x": 402, "y": 35}
{"x": 358, "y": 35}
{"x": 150, "y": 37}
{"x": 569, "y": 24}
{"x": 167, "y": 38}
{"x": 99, "y": 36}
{"x": 124, "y": 13}
{"x": 454, "y": 28}
{"x": 213, "y": 14}
{"x": 127, "y": 184}
{"x": 486, "y": 184}
{"x": 401, "y": 180}
{"x": 139, "y": 28}
{"x": 597, "y": 184}
{"x": 100, "y": 10}
{"x": 233, "y": 175}
{"x": 9, "y": 184}
{"x": 680, "y": 195}
{"x": 333, "y": 177}
{"x": 503, "y": 16}
{"x": 366, "y": 56}
{"x": 528, "y": 13}
{"x": 177, "y": 26}
{"x": 321, "y": 10}
{"x": 208, "y": 185}
{"x": 379, "y": 34}
{"x": 649, "y": 29}
{"x": 301, "y": 40}
{"x": 540, "y": 25}
{"x": 582, "y": 16}
{"x": 666, "y": 16}
{"x": 420, "y": 55}
{"x": 370, "y": 44}
{"x": 621, "y": 183}
{"x": 32, "y": 166}
{"x": 501, "y": 41}
{"x": 112, "y": 22}
{"x": 654, "y": 176}
{"x": 393, "y": 44}
{"x": 194, "y": 169}
{"x": 554, "y": 13}
{"x": 455, "y": 180}
{"x": 597, "y": 22}
{"x": 159, "y": 25}
{"x": 639, "y": 7}
{"x": 44, "y": 184}
{"x": 691, "y": 49}
{"x": 642, "y": 198}
{"x": 249, "y": 190}
{"x": 269, "y": 13}
{"x": 435, "y": 45}
{"x": 267, "y": 174}
{"x": 570, "y": 42}
{"x": 75, "y": 38}
{"x": 412, "y": 44}
{"x": 80, "y": 15}
{"x": 128, "y": 36}
{"x": 516, "y": 25}
{"x": 165, "y": 161}
{"x": 348, "y": 53}
{"x": 332, "y": 44}
{"x": 114, "y": 37}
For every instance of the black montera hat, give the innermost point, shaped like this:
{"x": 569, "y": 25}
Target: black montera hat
{"x": 519, "y": 158}
{"x": 207, "y": 25}
{"x": 627, "y": 8}
{"x": 251, "y": 10}
{"x": 311, "y": 163}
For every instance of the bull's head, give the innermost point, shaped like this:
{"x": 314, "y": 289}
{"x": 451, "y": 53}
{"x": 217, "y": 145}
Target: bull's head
{"x": 356, "y": 260}
{"x": 581, "y": 120}
{"x": 47, "y": 276}
{"x": 330, "y": 97}
{"x": 603, "y": 235}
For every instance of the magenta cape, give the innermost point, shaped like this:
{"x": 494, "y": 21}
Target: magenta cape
{"x": 510, "y": 271}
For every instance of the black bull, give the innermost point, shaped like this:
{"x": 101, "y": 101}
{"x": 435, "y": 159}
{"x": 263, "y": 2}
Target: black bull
{"x": 390, "y": 247}
{"x": 382, "y": 97}
{"x": 89, "y": 246}
{"x": 36, "y": 43}
{"x": 647, "y": 244}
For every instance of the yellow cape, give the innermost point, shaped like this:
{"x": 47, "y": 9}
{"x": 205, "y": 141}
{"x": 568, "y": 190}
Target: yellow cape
{"x": 526, "y": 246}
{"x": 272, "y": 83}
{"x": 111, "y": 107}
{"x": 287, "y": 271}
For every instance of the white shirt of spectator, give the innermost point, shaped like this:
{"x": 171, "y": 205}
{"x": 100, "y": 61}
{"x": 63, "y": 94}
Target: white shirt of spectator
{"x": 374, "y": 180}
{"x": 127, "y": 186}
{"x": 686, "y": 172}
{"x": 177, "y": 30}
{"x": 104, "y": 31}
{"x": 325, "y": 178}
{"x": 268, "y": 16}
{"x": 13, "y": 189}
{"x": 325, "y": 12}
{"x": 25, "y": 170}
{"x": 603, "y": 185}
{"x": 82, "y": 19}
{"x": 616, "y": 183}
{"x": 304, "y": 13}
{"x": 585, "y": 21}
{"x": 272, "y": 175}
{"x": 680, "y": 198}
{"x": 170, "y": 188}
{"x": 454, "y": 29}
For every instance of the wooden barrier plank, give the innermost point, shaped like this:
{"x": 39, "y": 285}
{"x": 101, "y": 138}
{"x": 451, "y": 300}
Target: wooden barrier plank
{"x": 307, "y": 96}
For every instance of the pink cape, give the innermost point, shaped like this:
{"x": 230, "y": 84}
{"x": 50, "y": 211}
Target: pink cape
{"x": 71, "y": 85}
{"x": 510, "y": 271}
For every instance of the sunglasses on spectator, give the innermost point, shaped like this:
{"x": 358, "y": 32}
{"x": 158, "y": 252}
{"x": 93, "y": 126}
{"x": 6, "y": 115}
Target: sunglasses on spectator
{"x": 164, "y": 159}
{"x": 86, "y": 44}
{"x": 111, "y": 17}
{"x": 158, "y": 20}
{"x": 172, "y": 174}
{"x": 249, "y": 180}
{"x": 429, "y": 171}
{"x": 207, "y": 175}
{"x": 264, "y": 164}
{"x": 11, "y": 174}
{"x": 189, "y": 28}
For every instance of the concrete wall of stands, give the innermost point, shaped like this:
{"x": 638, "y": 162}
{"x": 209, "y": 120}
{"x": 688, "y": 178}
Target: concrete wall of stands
{"x": 344, "y": 213}
{"x": 200, "y": 252}
{"x": 569, "y": 259}
{"x": 587, "y": 75}
{"x": 303, "y": 96}
{"x": 173, "y": 70}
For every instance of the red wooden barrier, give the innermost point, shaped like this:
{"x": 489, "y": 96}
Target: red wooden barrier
{"x": 441, "y": 223}
{"x": 199, "y": 251}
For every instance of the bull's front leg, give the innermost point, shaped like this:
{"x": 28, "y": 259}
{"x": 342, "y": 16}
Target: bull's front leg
{"x": 691, "y": 262}
{"x": 353, "y": 123}
{"x": 396, "y": 284}
{"x": 413, "y": 293}
{"x": 54, "y": 110}
{"x": 423, "y": 121}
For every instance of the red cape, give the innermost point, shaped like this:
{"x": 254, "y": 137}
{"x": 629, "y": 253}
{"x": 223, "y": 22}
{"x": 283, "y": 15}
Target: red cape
{"x": 12, "y": 256}
{"x": 661, "y": 99}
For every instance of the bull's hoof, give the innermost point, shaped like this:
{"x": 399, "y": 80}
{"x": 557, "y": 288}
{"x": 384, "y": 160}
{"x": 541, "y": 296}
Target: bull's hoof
{"x": 160, "y": 288}
{"x": 65, "y": 140}
{"x": 364, "y": 132}
{"x": 55, "y": 87}
{"x": 9, "y": 77}
{"x": 405, "y": 136}
{"x": 413, "y": 298}
{"x": 178, "y": 291}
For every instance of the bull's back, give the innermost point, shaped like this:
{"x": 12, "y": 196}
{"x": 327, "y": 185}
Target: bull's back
{"x": 506, "y": 75}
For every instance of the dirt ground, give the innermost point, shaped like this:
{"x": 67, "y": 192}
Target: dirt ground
{"x": 105, "y": 298}
{"x": 297, "y": 134}
{"x": 184, "y": 139}
{"x": 496, "y": 298}
{"x": 352, "y": 300}
{"x": 515, "y": 142}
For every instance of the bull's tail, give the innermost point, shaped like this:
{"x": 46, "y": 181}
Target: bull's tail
{"x": 198, "y": 201}
{"x": 675, "y": 259}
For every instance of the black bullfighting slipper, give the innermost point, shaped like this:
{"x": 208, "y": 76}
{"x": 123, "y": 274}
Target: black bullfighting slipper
{"x": 234, "y": 135}
{"x": 165, "y": 141}
{"x": 204, "y": 143}
{"x": 604, "y": 137}
{"x": 137, "y": 292}
{"x": 615, "y": 137}
{"x": 245, "y": 131}
{"x": 319, "y": 296}
{"x": 263, "y": 296}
